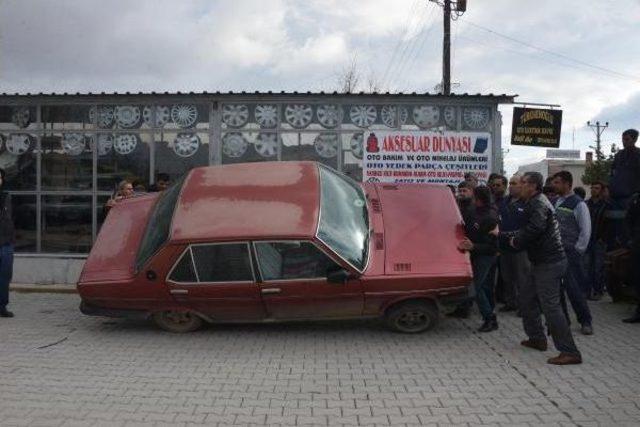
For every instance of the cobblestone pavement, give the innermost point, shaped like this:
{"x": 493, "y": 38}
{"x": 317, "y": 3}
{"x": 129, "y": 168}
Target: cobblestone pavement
{"x": 58, "y": 367}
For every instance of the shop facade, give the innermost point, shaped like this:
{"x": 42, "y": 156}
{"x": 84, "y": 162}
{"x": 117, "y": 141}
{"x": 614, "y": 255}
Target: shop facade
{"x": 64, "y": 154}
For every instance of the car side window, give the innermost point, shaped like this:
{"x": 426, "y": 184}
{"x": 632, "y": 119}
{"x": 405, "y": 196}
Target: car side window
{"x": 228, "y": 262}
{"x": 292, "y": 260}
{"x": 183, "y": 271}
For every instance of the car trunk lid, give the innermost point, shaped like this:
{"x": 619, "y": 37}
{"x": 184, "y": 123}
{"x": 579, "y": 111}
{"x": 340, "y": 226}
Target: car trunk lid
{"x": 112, "y": 257}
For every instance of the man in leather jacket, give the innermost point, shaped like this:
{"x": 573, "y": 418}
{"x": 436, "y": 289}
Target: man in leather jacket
{"x": 633, "y": 221}
{"x": 540, "y": 237}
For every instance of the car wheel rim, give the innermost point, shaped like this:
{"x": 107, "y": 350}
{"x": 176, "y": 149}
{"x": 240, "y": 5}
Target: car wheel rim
{"x": 177, "y": 317}
{"x": 127, "y": 116}
{"x": 184, "y": 115}
{"x": 413, "y": 320}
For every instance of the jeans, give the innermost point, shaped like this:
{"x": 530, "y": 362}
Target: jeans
{"x": 515, "y": 269}
{"x": 483, "y": 278}
{"x": 594, "y": 263}
{"x": 6, "y": 273}
{"x": 572, "y": 286}
{"x": 541, "y": 294}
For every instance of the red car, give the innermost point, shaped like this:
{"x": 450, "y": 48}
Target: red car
{"x": 278, "y": 241}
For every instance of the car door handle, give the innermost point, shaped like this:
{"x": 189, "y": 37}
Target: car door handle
{"x": 179, "y": 291}
{"x": 268, "y": 291}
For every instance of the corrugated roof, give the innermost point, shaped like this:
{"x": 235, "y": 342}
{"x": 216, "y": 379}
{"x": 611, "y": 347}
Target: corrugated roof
{"x": 504, "y": 97}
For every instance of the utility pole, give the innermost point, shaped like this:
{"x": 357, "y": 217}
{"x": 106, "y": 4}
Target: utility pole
{"x": 446, "y": 49}
{"x": 459, "y": 7}
{"x": 599, "y": 130}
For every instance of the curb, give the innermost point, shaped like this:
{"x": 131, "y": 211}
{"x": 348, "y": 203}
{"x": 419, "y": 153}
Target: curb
{"x": 43, "y": 289}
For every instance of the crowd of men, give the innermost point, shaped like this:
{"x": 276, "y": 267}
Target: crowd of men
{"x": 535, "y": 244}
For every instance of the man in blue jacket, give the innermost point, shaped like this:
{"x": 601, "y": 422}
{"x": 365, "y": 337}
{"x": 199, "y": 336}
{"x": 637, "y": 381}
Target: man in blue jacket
{"x": 514, "y": 265}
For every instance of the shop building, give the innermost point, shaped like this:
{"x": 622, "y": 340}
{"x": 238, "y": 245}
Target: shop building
{"x": 64, "y": 154}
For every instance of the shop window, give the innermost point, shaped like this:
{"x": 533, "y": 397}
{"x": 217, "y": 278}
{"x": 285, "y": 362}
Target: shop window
{"x": 178, "y": 152}
{"x": 320, "y": 147}
{"x": 24, "y": 218}
{"x": 72, "y": 117}
{"x": 122, "y": 155}
{"x": 18, "y": 118}
{"x": 66, "y": 224}
{"x": 243, "y": 147}
{"x": 223, "y": 262}
{"x": 67, "y": 161}
{"x": 19, "y": 160}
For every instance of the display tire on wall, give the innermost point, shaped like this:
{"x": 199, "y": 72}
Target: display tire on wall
{"x": 412, "y": 317}
{"x": 179, "y": 322}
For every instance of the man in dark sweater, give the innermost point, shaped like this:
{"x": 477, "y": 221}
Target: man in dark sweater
{"x": 597, "y": 248}
{"x": 633, "y": 221}
{"x": 540, "y": 237}
{"x": 478, "y": 224}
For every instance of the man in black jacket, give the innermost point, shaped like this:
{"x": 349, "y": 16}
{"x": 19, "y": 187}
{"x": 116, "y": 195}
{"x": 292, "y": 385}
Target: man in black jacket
{"x": 541, "y": 239}
{"x": 633, "y": 221}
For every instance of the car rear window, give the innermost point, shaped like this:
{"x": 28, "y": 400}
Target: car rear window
{"x": 227, "y": 262}
{"x": 159, "y": 225}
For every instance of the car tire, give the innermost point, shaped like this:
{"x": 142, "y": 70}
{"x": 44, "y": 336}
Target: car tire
{"x": 177, "y": 321}
{"x": 412, "y": 317}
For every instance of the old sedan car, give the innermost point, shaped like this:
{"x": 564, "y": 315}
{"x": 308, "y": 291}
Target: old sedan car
{"x": 278, "y": 241}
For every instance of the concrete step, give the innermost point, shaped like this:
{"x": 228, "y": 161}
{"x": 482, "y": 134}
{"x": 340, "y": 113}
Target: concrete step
{"x": 49, "y": 289}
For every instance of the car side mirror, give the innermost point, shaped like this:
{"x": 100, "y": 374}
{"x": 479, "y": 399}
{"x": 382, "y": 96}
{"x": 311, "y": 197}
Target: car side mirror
{"x": 339, "y": 277}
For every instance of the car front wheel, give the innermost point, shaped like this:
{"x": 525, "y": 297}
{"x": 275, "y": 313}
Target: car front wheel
{"x": 177, "y": 321}
{"x": 412, "y": 317}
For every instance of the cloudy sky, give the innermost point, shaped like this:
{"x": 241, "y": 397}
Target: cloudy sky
{"x": 581, "y": 54}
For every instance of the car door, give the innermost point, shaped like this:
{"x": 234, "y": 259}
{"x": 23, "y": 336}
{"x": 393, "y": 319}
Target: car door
{"x": 218, "y": 280}
{"x": 293, "y": 282}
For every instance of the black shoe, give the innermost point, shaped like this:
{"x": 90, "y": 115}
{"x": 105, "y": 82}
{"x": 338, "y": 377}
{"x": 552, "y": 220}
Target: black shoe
{"x": 595, "y": 297}
{"x": 507, "y": 307}
{"x": 5, "y": 313}
{"x": 489, "y": 325}
{"x": 459, "y": 313}
{"x": 633, "y": 319}
{"x": 586, "y": 329}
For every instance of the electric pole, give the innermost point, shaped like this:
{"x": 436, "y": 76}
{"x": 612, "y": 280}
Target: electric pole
{"x": 459, "y": 7}
{"x": 599, "y": 130}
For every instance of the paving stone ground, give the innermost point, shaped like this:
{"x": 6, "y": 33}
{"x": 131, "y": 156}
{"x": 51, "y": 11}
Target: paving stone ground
{"x": 58, "y": 367}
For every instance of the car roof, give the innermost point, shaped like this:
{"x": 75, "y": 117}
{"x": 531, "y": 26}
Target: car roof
{"x": 262, "y": 200}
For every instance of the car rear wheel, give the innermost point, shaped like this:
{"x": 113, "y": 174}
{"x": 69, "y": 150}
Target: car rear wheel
{"x": 177, "y": 321}
{"x": 412, "y": 317}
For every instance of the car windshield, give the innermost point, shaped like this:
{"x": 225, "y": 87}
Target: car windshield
{"x": 159, "y": 225}
{"x": 344, "y": 220}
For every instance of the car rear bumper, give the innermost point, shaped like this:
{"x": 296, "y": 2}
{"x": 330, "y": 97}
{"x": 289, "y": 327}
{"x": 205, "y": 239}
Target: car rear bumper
{"x": 92, "y": 310}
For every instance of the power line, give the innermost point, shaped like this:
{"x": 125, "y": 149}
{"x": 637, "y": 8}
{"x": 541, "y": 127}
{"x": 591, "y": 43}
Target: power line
{"x": 549, "y": 52}
{"x": 401, "y": 36}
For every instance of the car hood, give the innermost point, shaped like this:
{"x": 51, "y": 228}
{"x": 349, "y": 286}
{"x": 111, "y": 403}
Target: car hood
{"x": 422, "y": 227}
{"x": 113, "y": 255}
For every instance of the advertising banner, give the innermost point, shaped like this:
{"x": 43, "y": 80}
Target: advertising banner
{"x": 425, "y": 157}
{"x": 536, "y": 127}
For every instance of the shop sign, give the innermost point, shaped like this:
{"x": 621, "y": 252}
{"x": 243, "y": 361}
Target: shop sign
{"x": 536, "y": 127}
{"x": 425, "y": 157}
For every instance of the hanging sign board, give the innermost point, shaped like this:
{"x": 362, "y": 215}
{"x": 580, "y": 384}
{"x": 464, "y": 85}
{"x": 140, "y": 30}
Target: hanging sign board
{"x": 536, "y": 127}
{"x": 425, "y": 157}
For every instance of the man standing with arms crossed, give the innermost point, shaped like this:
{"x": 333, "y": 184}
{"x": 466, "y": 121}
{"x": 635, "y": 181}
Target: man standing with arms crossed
{"x": 540, "y": 237}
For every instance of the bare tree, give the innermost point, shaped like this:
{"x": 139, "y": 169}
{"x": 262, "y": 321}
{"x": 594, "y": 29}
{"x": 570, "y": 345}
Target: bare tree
{"x": 349, "y": 78}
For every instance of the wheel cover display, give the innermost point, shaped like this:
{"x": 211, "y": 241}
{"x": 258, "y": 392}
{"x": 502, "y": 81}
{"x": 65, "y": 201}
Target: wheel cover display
{"x": 235, "y": 115}
{"x": 476, "y": 118}
{"x": 363, "y": 115}
{"x": 389, "y": 114}
{"x": 18, "y": 143}
{"x": 298, "y": 115}
{"x": 186, "y": 144}
{"x": 329, "y": 116}
{"x": 73, "y": 144}
{"x": 234, "y": 145}
{"x": 105, "y": 143}
{"x": 266, "y": 144}
{"x": 450, "y": 117}
{"x": 21, "y": 117}
{"x": 2, "y": 140}
{"x": 163, "y": 114}
{"x": 184, "y": 115}
{"x": 356, "y": 145}
{"x": 106, "y": 116}
{"x": 127, "y": 116}
{"x": 426, "y": 116}
{"x": 266, "y": 115}
{"x": 126, "y": 143}
{"x": 326, "y": 145}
